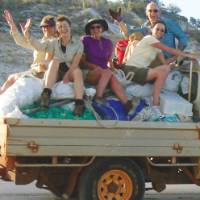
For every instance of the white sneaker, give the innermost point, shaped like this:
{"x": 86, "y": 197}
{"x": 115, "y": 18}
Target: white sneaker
{"x": 155, "y": 113}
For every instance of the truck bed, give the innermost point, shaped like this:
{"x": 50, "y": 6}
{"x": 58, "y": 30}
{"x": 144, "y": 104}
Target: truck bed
{"x": 98, "y": 138}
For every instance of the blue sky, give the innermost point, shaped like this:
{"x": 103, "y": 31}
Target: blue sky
{"x": 189, "y": 8}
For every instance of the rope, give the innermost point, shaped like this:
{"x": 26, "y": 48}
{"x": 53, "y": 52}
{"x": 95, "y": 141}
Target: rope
{"x": 88, "y": 104}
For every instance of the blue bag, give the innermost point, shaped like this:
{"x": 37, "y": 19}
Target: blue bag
{"x": 113, "y": 109}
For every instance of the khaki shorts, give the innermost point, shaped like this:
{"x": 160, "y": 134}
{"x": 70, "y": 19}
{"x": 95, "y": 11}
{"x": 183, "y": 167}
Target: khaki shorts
{"x": 140, "y": 74}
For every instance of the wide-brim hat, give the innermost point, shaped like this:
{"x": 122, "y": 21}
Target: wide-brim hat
{"x": 103, "y": 23}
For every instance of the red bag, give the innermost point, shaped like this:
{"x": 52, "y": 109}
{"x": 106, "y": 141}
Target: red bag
{"x": 120, "y": 49}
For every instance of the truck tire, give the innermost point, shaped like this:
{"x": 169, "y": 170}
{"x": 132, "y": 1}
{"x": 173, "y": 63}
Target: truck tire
{"x": 112, "y": 179}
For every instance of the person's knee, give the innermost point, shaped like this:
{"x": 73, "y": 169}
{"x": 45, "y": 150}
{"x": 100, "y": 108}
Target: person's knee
{"x": 166, "y": 69}
{"x": 77, "y": 75}
{"x": 107, "y": 73}
{"x": 12, "y": 78}
{"x": 77, "y": 72}
{"x": 162, "y": 71}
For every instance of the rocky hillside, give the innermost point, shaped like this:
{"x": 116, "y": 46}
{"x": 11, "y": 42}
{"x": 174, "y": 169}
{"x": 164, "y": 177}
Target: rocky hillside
{"x": 14, "y": 58}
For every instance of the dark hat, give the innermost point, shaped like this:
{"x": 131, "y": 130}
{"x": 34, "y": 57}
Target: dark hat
{"x": 103, "y": 23}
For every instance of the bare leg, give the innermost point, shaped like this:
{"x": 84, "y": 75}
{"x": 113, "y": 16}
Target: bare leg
{"x": 76, "y": 76}
{"x": 51, "y": 74}
{"x": 50, "y": 79}
{"x": 100, "y": 78}
{"x": 107, "y": 77}
{"x": 103, "y": 82}
{"x": 117, "y": 88}
{"x": 159, "y": 74}
{"x": 9, "y": 82}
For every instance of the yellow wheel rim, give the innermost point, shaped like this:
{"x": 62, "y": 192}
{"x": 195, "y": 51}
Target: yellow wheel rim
{"x": 115, "y": 185}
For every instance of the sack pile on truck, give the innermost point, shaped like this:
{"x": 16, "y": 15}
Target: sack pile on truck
{"x": 25, "y": 91}
{"x": 22, "y": 101}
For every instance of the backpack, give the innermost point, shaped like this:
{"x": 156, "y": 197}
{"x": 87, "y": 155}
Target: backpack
{"x": 121, "y": 45}
{"x": 120, "y": 49}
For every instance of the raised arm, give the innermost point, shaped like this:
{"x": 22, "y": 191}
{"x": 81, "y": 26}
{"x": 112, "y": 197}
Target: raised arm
{"x": 17, "y": 36}
{"x": 123, "y": 28}
{"x": 38, "y": 45}
{"x": 9, "y": 19}
{"x": 116, "y": 16}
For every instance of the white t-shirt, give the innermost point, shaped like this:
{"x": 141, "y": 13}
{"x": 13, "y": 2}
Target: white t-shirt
{"x": 144, "y": 53}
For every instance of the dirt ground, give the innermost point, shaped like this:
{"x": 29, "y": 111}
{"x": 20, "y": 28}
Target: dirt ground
{"x": 9, "y": 191}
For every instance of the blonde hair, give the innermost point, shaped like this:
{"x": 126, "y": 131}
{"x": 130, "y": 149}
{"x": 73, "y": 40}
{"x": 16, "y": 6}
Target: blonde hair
{"x": 136, "y": 36}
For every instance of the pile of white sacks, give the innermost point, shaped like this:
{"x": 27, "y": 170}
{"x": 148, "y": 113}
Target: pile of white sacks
{"x": 27, "y": 90}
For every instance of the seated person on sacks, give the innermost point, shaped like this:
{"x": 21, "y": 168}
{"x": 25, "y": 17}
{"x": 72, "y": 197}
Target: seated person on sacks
{"x": 40, "y": 58}
{"x": 65, "y": 63}
{"x": 144, "y": 53}
{"x": 98, "y": 60}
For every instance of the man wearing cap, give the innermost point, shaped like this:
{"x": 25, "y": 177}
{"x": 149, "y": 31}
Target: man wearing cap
{"x": 153, "y": 14}
{"x": 40, "y": 58}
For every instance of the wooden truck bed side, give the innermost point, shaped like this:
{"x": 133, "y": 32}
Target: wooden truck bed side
{"x": 88, "y": 138}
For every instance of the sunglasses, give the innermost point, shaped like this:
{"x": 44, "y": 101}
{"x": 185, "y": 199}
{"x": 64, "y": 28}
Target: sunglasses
{"x": 96, "y": 27}
{"x": 160, "y": 29}
{"x": 155, "y": 11}
{"x": 46, "y": 26}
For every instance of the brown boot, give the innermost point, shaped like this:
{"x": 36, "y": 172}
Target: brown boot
{"x": 129, "y": 107}
{"x": 45, "y": 98}
{"x": 79, "y": 107}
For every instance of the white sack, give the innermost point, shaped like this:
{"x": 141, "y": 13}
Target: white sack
{"x": 172, "y": 82}
{"x": 16, "y": 113}
{"x": 136, "y": 90}
{"x": 63, "y": 90}
{"x": 185, "y": 85}
{"x": 24, "y": 91}
{"x": 66, "y": 90}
